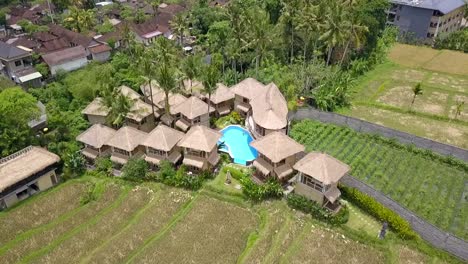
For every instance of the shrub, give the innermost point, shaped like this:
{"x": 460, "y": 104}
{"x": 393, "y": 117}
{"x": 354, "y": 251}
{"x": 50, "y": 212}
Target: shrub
{"x": 135, "y": 169}
{"x": 91, "y": 193}
{"x": 234, "y": 118}
{"x": 371, "y": 206}
{"x": 104, "y": 165}
{"x": 307, "y": 206}
{"x": 168, "y": 175}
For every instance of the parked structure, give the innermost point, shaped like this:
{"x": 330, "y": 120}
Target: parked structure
{"x": 25, "y": 173}
{"x": 125, "y": 144}
{"x": 94, "y": 140}
{"x": 16, "y": 64}
{"x": 200, "y": 147}
{"x": 161, "y": 144}
{"x": 69, "y": 59}
{"x": 277, "y": 156}
{"x": 317, "y": 178}
{"x": 426, "y": 19}
{"x": 192, "y": 112}
{"x": 222, "y": 100}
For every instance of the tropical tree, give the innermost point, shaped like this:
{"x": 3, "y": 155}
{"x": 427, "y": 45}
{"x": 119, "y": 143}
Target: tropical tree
{"x": 210, "y": 79}
{"x": 79, "y": 20}
{"x": 179, "y": 25}
{"x": 260, "y": 35}
{"x": 356, "y": 31}
{"x": 119, "y": 108}
{"x": 190, "y": 68}
{"x": 218, "y": 37}
{"x": 308, "y": 24}
{"x": 459, "y": 108}
{"x": 336, "y": 27}
{"x": 167, "y": 80}
{"x": 417, "y": 90}
{"x": 289, "y": 18}
{"x": 165, "y": 52}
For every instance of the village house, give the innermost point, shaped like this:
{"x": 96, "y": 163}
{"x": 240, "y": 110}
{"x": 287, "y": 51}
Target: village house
{"x": 200, "y": 149}
{"x": 317, "y": 178}
{"x": 94, "y": 140}
{"x": 269, "y": 112}
{"x": 222, "y": 99}
{"x": 277, "y": 154}
{"x": 26, "y": 172}
{"x": 16, "y": 64}
{"x": 192, "y": 112}
{"x": 161, "y": 144}
{"x": 125, "y": 144}
{"x": 67, "y": 60}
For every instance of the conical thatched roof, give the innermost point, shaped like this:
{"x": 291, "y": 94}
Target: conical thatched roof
{"x": 221, "y": 94}
{"x": 200, "y": 138}
{"x": 163, "y": 138}
{"x": 96, "y": 136}
{"x": 322, "y": 167}
{"x": 129, "y": 92}
{"x": 127, "y": 138}
{"x": 96, "y": 107}
{"x": 277, "y": 146}
{"x": 248, "y": 88}
{"x": 270, "y": 109}
{"x": 192, "y": 108}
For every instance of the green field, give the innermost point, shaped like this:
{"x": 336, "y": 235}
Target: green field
{"x": 127, "y": 223}
{"x": 434, "y": 189}
{"x": 384, "y": 95}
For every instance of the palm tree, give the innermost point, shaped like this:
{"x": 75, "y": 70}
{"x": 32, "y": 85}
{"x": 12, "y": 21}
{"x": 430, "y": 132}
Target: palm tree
{"x": 147, "y": 68}
{"x": 356, "y": 31}
{"x": 261, "y": 34}
{"x": 165, "y": 51}
{"x": 210, "y": 79}
{"x": 459, "y": 108}
{"x": 307, "y": 23}
{"x": 166, "y": 78}
{"x": 190, "y": 66}
{"x": 179, "y": 25}
{"x": 289, "y": 17}
{"x": 120, "y": 107}
{"x": 417, "y": 90}
{"x": 336, "y": 27}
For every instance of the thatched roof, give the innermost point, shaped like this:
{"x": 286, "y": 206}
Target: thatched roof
{"x": 270, "y": 109}
{"x": 159, "y": 96}
{"x": 192, "y": 108}
{"x": 23, "y": 164}
{"x": 248, "y": 88}
{"x": 277, "y": 146}
{"x": 200, "y": 138}
{"x": 222, "y": 94}
{"x": 129, "y": 92}
{"x": 174, "y": 100}
{"x": 162, "y": 138}
{"x": 127, "y": 138}
{"x": 96, "y": 107}
{"x": 139, "y": 110}
{"x": 322, "y": 167}
{"x": 96, "y": 136}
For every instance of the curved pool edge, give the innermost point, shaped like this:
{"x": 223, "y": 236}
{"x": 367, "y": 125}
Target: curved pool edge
{"x": 227, "y": 146}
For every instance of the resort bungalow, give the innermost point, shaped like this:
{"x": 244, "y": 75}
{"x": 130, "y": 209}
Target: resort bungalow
{"x": 200, "y": 147}
{"x": 25, "y": 173}
{"x": 161, "y": 144}
{"x": 192, "y": 112}
{"x": 222, "y": 100}
{"x": 269, "y": 112}
{"x": 245, "y": 91}
{"x": 277, "y": 154}
{"x": 125, "y": 143}
{"x": 317, "y": 178}
{"x": 94, "y": 139}
{"x": 96, "y": 112}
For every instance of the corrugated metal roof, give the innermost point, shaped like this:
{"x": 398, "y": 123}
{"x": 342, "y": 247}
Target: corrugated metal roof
{"x": 444, "y": 6}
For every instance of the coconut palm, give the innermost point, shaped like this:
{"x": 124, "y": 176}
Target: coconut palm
{"x": 356, "y": 30}
{"x": 307, "y": 23}
{"x": 190, "y": 66}
{"x": 210, "y": 79}
{"x": 120, "y": 107}
{"x": 260, "y": 35}
{"x": 417, "y": 90}
{"x": 166, "y": 77}
{"x": 336, "y": 27}
{"x": 179, "y": 25}
{"x": 289, "y": 18}
{"x": 165, "y": 51}
{"x": 147, "y": 69}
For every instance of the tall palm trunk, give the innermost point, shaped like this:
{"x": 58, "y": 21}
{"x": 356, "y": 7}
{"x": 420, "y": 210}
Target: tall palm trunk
{"x": 208, "y": 103}
{"x": 151, "y": 94}
{"x": 191, "y": 91}
{"x": 292, "y": 45}
{"x": 166, "y": 105}
{"x": 345, "y": 52}
{"x": 257, "y": 63}
{"x": 330, "y": 50}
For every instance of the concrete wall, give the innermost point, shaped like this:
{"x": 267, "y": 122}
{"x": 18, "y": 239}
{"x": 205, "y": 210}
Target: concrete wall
{"x": 412, "y": 19}
{"x": 304, "y": 190}
{"x": 102, "y": 57}
{"x": 69, "y": 66}
{"x": 93, "y": 119}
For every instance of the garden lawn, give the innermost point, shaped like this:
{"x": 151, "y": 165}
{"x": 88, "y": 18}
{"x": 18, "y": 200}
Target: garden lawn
{"x": 433, "y": 189}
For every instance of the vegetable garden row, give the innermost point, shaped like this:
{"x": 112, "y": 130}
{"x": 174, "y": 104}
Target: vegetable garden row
{"x": 433, "y": 187}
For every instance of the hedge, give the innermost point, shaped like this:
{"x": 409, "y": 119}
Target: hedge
{"x": 305, "y": 205}
{"x": 376, "y": 209}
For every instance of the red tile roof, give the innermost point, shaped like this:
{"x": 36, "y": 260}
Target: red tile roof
{"x": 100, "y": 49}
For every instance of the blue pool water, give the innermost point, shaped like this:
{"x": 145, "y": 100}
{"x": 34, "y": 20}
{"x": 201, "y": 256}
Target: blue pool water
{"x": 236, "y": 142}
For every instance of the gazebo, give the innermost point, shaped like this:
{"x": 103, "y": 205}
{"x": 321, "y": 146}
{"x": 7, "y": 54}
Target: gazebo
{"x": 125, "y": 143}
{"x": 161, "y": 144}
{"x": 94, "y": 139}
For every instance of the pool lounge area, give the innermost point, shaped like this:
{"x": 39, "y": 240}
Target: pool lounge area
{"x": 237, "y": 144}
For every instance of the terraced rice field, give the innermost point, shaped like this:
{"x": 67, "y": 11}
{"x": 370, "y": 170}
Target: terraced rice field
{"x": 126, "y": 223}
{"x": 435, "y": 190}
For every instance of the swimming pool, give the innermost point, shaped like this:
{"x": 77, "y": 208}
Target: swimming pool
{"x": 236, "y": 142}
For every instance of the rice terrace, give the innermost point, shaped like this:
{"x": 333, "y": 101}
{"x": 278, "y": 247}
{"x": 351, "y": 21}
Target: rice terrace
{"x": 384, "y": 95}
{"x": 103, "y": 220}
